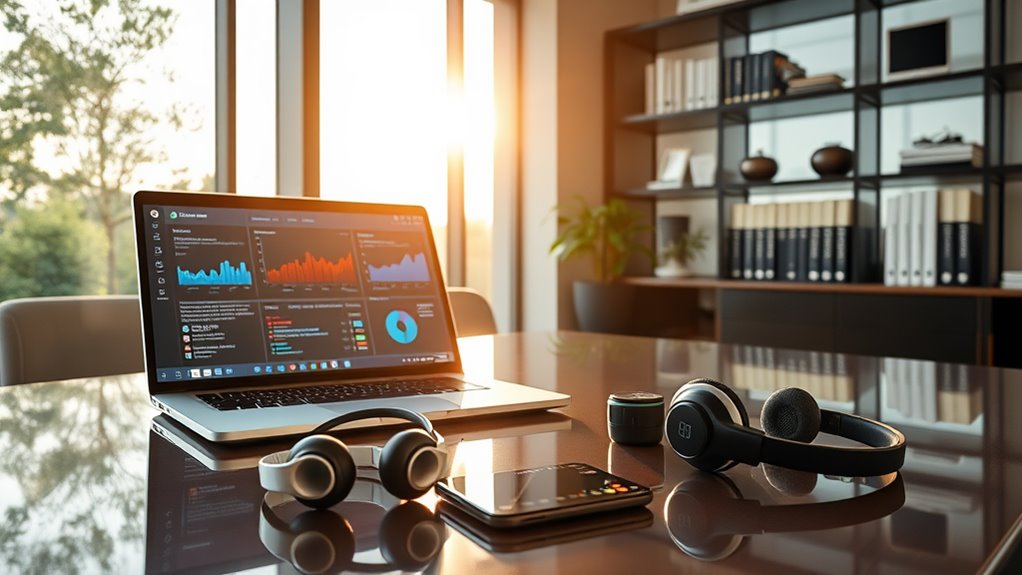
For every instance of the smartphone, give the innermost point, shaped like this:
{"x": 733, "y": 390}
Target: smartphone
{"x": 497, "y": 540}
{"x": 530, "y": 496}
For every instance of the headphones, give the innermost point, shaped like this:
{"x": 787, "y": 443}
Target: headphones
{"x": 707, "y": 517}
{"x": 707, "y": 425}
{"x": 320, "y": 470}
{"x": 315, "y": 541}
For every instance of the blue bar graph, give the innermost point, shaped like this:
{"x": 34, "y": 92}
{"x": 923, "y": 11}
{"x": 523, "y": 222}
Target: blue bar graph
{"x": 227, "y": 276}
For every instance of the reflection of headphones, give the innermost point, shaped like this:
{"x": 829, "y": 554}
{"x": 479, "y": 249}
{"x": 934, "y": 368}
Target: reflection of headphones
{"x": 322, "y": 541}
{"x": 708, "y": 426}
{"x": 320, "y": 469}
{"x": 707, "y": 517}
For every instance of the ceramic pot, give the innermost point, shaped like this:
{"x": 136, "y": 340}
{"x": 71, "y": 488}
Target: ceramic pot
{"x": 832, "y": 160}
{"x": 758, "y": 168}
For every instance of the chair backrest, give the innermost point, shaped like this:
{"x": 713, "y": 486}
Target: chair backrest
{"x": 51, "y": 338}
{"x": 472, "y": 313}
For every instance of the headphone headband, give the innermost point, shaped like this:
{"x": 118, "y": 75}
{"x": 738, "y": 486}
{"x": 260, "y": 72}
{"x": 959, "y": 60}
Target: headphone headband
{"x": 392, "y": 412}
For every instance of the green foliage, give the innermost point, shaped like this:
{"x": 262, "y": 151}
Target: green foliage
{"x": 49, "y": 250}
{"x": 608, "y": 233}
{"x": 685, "y": 248}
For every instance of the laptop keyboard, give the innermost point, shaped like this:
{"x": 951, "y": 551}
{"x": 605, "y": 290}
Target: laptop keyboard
{"x": 260, "y": 398}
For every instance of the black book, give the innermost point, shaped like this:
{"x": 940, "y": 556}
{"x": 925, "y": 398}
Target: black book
{"x": 946, "y": 249}
{"x": 967, "y": 236}
{"x": 748, "y": 243}
{"x": 747, "y": 77}
{"x": 776, "y": 63}
{"x": 827, "y": 241}
{"x": 781, "y": 251}
{"x": 802, "y": 271}
{"x": 735, "y": 242}
{"x": 770, "y": 242}
{"x": 738, "y": 82}
{"x": 759, "y": 246}
{"x": 815, "y": 239}
{"x": 729, "y": 80}
{"x": 756, "y": 74}
{"x": 790, "y": 269}
{"x": 843, "y": 241}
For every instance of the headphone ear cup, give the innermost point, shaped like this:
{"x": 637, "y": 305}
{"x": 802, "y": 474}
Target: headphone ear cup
{"x": 410, "y": 536}
{"x": 342, "y": 465}
{"x": 791, "y": 413}
{"x": 323, "y": 542}
{"x": 407, "y": 467}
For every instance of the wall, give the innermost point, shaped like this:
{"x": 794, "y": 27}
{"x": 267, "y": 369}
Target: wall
{"x": 562, "y": 136}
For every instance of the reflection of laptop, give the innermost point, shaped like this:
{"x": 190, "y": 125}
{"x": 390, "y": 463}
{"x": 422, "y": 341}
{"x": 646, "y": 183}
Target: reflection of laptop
{"x": 267, "y": 316}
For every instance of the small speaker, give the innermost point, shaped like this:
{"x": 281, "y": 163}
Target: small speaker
{"x": 635, "y": 418}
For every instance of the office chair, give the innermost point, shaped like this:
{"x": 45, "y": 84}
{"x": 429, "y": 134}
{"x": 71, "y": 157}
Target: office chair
{"x": 472, "y": 313}
{"x": 52, "y": 338}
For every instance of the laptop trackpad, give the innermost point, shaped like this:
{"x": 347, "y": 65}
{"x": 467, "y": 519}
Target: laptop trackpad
{"x": 421, "y": 404}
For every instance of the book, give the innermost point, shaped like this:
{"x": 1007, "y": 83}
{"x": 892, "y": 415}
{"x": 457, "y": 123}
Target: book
{"x": 904, "y": 238}
{"x": 929, "y": 238}
{"x": 690, "y": 84}
{"x": 946, "y": 248}
{"x": 650, "y": 89}
{"x": 804, "y": 218}
{"x": 759, "y": 233}
{"x": 739, "y": 82}
{"x": 781, "y": 233}
{"x": 891, "y": 206}
{"x": 736, "y": 230}
{"x": 677, "y": 85}
{"x": 748, "y": 243}
{"x": 748, "y": 77}
{"x": 712, "y": 82}
{"x": 826, "y": 240}
{"x": 700, "y": 83}
{"x": 791, "y": 268}
{"x": 815, "y": 240}
{"x": 661, "y": 85}
{"x": 915, "y": 248}
{"x": 843, "y": 240}
{"x": 968, "y": 216}
{"x": 772, "y": 85}
{"x": 769, "y": 241}
{"x": 729, "y": 80}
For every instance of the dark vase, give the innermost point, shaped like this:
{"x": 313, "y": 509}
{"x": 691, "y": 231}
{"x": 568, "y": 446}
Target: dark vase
{"x": 758, "y": 168}
{"x": 832, "y": 160}
{"x": 603, "y": 307}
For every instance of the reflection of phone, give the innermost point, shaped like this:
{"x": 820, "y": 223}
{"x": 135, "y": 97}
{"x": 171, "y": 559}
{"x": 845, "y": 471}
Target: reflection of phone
{"x": 497, "y": 540}
{"x": 527, "y": 496}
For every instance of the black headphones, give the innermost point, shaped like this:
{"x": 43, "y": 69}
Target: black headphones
{"x": 707, "y": 517}
{"x": 320, "y": 470}
{"x": 409, "y": 536}
{"x": 707, "y": 425}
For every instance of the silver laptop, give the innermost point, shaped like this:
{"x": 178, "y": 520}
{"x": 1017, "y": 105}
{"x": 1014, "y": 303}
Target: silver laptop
{"x": 267, "y": 316}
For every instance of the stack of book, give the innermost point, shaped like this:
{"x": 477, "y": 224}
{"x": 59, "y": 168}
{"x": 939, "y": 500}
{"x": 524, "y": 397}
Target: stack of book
{"x": 804, "y": 241}
{"x": 764, "y": 369}
{"x": 959, "y": 155}
{"x": 1011, "y": 279}
{"x": 931, "y": 392}
{"x": 758, "y": 76}
{"x": 933, "y": 238}
{"x": 678, "y": 84}
{"x": 815, "y": 84}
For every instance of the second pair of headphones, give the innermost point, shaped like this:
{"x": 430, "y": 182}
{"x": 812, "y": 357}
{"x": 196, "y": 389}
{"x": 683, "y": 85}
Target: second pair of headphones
{"x": 320, "y": 469}
{"x": 708, "y": 426}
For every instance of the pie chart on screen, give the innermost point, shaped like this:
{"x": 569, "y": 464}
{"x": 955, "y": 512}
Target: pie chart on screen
{"x": 401, "y": 327}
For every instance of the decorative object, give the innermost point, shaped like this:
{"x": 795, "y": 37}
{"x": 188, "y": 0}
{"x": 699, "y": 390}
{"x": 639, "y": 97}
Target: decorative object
{"x": 943, "y": 150}
{"x": 919, "y": 50}
{"x": 673, "y": 165}
{"x": 832, "y": 160}
{"x": 704, "y": 170}
{"x": 609, "y": 234}
{"x": 676, "y": 247}
{"x": 758, "y": 168}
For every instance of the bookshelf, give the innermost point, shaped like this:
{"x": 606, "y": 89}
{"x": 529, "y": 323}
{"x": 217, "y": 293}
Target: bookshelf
{"x": 633, "y": 139}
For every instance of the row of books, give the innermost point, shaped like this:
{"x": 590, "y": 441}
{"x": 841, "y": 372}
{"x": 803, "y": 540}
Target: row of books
{"x": 1011, "y": 279}
{"x": 676, "y": 84}
{"x": 823, "y": 374}
{"x": 924, "y": 159}
{"x": 933, "y": 238}
{"x": 758, "y": 76}
{"x": 931, "y": 392}
{"x": 801, "y": 241}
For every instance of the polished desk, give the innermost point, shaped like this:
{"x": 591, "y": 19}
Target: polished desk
{"x": 87, "y": 485}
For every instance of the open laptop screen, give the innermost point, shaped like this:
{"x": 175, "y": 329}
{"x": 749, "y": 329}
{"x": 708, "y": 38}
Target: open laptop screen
{"x": 256, "y": 287}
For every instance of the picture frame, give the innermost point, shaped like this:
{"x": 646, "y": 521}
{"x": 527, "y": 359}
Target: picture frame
{"x": 919, "y": 50}
{"x": 674, "y": 165}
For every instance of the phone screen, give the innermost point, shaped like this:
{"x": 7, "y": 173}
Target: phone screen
{"x": 543, "y": 488}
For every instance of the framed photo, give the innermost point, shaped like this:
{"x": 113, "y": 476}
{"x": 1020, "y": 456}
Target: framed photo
{"x": 919, "y": 50}
{"x": 674, "y": 165}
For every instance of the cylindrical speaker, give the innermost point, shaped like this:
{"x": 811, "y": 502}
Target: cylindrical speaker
{"x": 635, "y": 418}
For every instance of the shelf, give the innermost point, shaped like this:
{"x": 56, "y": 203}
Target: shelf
{"x": 677, "y": 122}
{"x": 855, "y": 288}
{"x": 684, "y": 192}
{"x": 935, "y": 177}
{"x": 798, "y": 105}
{"x": 829, "y": 184}
{"x": 932, "y": 88}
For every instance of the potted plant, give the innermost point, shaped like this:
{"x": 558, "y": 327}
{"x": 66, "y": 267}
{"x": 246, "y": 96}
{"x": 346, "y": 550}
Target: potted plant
{"x": 609, "y": 234}
{"x": 678, "y": 252}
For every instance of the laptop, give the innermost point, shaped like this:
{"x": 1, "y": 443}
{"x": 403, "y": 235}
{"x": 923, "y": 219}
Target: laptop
{"x": 265, "y": 317}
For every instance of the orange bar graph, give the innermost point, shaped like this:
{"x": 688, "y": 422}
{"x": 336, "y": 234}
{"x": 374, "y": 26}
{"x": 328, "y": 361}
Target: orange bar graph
{"x": 313, "y": 270}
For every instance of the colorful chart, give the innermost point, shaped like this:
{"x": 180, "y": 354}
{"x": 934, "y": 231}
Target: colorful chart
{"x": 313, "y": 270}
{"x": 409, "y": 269}
{"x": 401, "y": 327}
{"x": 227, "y": 275}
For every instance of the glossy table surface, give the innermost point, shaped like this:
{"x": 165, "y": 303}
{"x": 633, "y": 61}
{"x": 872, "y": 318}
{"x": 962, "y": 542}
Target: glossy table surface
{"x": 87, "y": 485}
